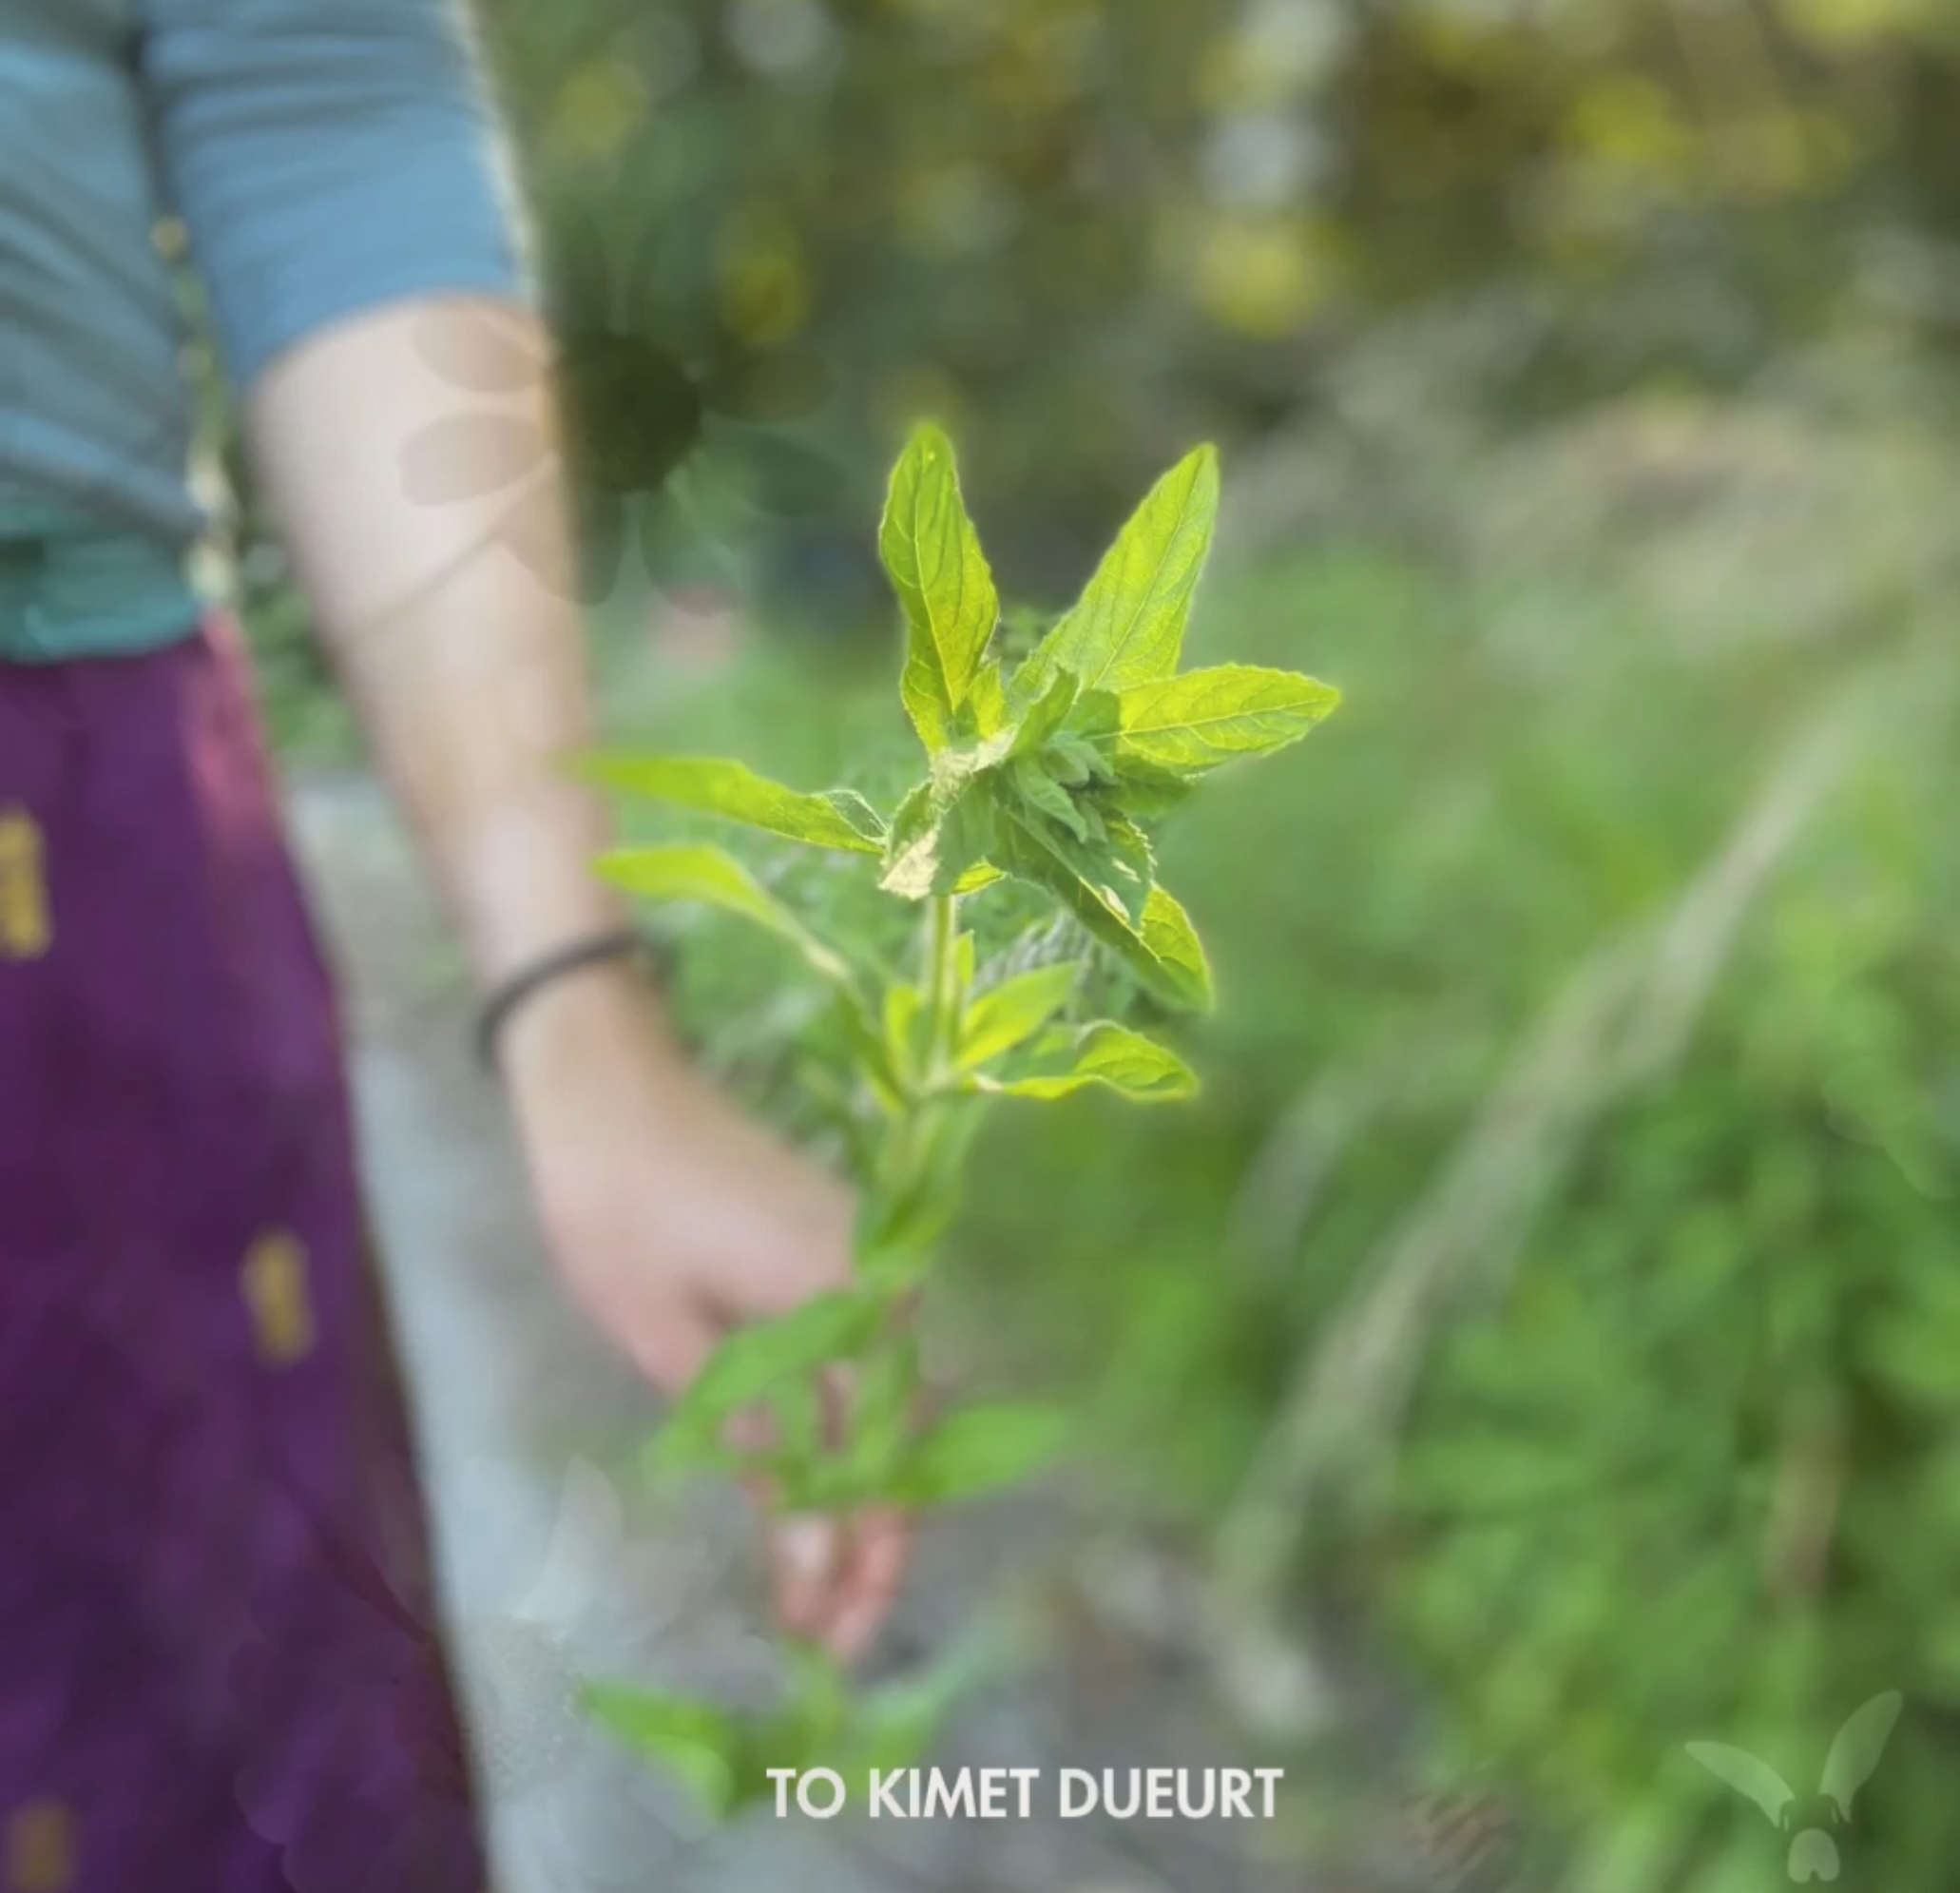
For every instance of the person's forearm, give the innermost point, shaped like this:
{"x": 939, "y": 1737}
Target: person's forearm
{"x": 465, "y": 661}
{"x": 673, "y": 1218}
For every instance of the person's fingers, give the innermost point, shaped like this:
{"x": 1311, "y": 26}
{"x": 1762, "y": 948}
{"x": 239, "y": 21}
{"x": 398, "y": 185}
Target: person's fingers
{"x": 834, "y": 1578}
{"x": 807, "y": 1552}
{"x": 880, "y": 1548}
{"x": 752, "y": 1431}
{"x": 667, "y": 1341}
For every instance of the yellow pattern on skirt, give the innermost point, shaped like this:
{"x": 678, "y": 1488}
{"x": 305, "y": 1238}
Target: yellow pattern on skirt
{"x": 27, "y": 928}
{"x": 40, "y": 1848}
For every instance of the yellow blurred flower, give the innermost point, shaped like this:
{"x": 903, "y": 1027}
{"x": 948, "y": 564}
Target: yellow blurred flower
{"x": 766, "y": 291}
{"x": 1276, "y": 54}
{"x": 600, "y": 104}
{"x": 1842, "y": 24}
{"x": 954, "y": 210}
{"x": 1631, "y": 123}
{"x": 1260, "y": 278}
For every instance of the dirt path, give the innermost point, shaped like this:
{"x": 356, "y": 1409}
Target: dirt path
{"x": 553, "y": 1569}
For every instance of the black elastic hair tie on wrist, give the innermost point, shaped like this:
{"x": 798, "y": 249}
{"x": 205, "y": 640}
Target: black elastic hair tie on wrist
{"x": 506, "y": 999}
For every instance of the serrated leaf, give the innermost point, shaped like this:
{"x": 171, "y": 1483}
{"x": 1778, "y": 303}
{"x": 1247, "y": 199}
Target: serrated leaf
{"x": 932, "y": 555}
{"x": 986, "y": 709}
{"x": 1046, "y": 715}
{"x": 1128, "y": 626}
{"x": 694, "y": 873}
{"x": 940, "y": 833}
{"x": 979, "y": 1450}
{"x": 699, "y": 1743}
{"x": 1203, "y": 718}
{"x": 1107, "y": 1054}
{"x": 1047, "y": 797}
{"x": 839, "y": 818}
{"x": 1013, "y": 1013}
{"x": 1147, "y": 794}
{"x": 1113, "y": 870}
{"x": 1161, "y": 946}
{"x": 1165, "y": 950}
{"x": 860, "y": 817}
{"x": 1074, "y": 761}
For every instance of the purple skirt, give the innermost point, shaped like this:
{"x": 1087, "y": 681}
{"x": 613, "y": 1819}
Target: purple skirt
{"x": 219, "y": 1670}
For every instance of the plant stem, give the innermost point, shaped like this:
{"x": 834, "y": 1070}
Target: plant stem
{"x": 911, "y": 1133}
{"x": 942, "y": 982}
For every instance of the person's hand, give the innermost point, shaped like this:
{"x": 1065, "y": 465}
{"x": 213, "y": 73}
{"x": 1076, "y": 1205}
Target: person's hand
{"x": 675, "y": 1217}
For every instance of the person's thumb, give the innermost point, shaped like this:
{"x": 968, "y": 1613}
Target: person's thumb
{"x": 667, "y": 1341}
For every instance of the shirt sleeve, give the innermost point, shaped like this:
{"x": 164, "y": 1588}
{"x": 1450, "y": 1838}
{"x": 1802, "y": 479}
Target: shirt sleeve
{"x": 326, "y": 157}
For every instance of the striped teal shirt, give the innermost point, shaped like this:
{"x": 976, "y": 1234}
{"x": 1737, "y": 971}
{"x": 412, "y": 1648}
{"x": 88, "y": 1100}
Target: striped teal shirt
{"x": 324, "y": 157}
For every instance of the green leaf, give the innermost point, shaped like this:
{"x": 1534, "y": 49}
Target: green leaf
{"x": 1128, "y": 626}
{"x": 1047, "y": 797}
{"x": 1113, "y": 874}
{"x": 894, "y": 1725}
{"x": 699, "y": 1743}
{"x": 797, "y": 1446}
{"x": 686, "y": 872}
{"x": 978, "y": 1451}
{"x": 1165, "y": 952}
{"x": 1147, "y": 794}
{"x": 1013, "y": 1012}
{"x": 751, "y": 1363}
{"x": 875, "y": 1063}
{"x": 904, "y": 1210}
{"x": 839, "y": 818}
{"x": 1162, "y": 947}
{"x": 1106, "y": 1054}
{"x": 1193, "y": 723}
{"x": 1046, "y": 715}
{"x": 817, "y": 1695}
{"x": 986, "y": 709}
{"x": 1074, "y": 754}
{"x": 933, "y": 557}
{"x": 941, "y": 832}
{"x": 885, "y": 1390}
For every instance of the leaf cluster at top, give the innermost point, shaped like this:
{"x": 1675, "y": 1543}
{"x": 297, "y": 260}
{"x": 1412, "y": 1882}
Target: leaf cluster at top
{"x": 1050, "y": 771}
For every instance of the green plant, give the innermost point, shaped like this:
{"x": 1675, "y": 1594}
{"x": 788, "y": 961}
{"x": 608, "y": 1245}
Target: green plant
{"x": 1048, "y": 773}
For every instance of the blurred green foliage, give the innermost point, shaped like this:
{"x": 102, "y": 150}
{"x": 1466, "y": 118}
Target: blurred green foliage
{"x": 1103, "y": 230}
